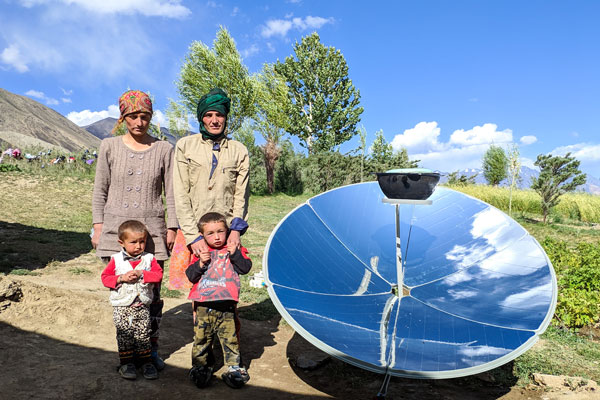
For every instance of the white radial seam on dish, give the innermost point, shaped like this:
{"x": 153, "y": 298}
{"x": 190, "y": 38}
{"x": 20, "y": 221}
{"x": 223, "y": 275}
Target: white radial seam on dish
{"x": 472, "y": 320}
{"x": 385, "y": 318}
{"x": 364, "y": 284}
{"x": 328, "y": 294}
{"x": 330, "y": 319}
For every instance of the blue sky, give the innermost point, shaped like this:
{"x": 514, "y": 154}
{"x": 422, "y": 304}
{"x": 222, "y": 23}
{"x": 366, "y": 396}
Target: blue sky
{"x": 444, "y": 79}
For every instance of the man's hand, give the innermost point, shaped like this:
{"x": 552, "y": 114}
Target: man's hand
{"x": 233, "y": 239}
{"x": 96, "y": 235}
{"x": 231, "y": 248}
{"x": 198, "y": 247}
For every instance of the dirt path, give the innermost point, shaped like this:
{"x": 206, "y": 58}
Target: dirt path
{"x": 58, "y": 342}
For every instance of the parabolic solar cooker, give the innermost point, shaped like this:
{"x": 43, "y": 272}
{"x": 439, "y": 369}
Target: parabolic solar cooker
{"x": 425, "y": 282}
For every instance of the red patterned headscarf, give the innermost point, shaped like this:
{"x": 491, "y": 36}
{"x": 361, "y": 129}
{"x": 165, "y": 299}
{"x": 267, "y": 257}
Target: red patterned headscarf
{"x": 133, "y": 101}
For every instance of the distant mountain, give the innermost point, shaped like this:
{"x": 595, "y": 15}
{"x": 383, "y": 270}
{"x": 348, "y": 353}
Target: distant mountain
{"x": 102, "y": 129}
{"x": 25, "y": 122}
{"x": 592, "y": 184}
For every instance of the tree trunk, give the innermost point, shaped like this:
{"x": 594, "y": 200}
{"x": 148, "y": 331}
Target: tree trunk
{"x": 270, "y": 153}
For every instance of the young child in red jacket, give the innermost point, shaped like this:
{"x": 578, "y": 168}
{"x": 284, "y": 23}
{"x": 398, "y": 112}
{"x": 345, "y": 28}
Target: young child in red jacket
{"x": 131, "y": 275}
{"x": 215, "y": 295}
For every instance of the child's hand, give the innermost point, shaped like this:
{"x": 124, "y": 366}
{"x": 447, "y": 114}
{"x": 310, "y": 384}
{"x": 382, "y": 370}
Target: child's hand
{"x": 130, "y": 276}
{"x": 231, "y": 247}
{"x": 205, "y": 256}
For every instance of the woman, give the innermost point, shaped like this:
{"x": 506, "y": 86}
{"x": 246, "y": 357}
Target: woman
{"x": 132, "y": 173}
{"x": 210, "y": 174}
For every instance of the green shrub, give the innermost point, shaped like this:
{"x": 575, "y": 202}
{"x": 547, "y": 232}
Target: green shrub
{"x": 578, "y": 275}
{"x": 9, "y": 168}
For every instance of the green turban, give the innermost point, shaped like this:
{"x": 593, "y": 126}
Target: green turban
{"x": 215, "y": 100}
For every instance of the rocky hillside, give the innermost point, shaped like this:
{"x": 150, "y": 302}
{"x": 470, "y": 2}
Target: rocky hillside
{"x": 25, "y": 122}
{"x": 102, "y": 129}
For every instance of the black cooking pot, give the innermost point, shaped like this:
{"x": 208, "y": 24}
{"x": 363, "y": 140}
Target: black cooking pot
{"x": 410, "y": 183}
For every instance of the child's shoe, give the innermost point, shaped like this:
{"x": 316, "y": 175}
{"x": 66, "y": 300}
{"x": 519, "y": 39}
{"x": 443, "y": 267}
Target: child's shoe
{"x": 157, "y": 361}
{"x": 149, "y": 371}
{"x": 128, "y": 371}
{"x": 201, "y": 375}
{"x": 235, "y": 377}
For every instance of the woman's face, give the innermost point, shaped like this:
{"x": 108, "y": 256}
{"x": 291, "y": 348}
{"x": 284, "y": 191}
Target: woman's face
{"x": 214, "y": 122}
{"x": 138, "y": 123}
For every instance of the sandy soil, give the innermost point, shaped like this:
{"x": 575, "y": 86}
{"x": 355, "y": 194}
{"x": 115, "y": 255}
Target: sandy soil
{"x": 58, "y": 342}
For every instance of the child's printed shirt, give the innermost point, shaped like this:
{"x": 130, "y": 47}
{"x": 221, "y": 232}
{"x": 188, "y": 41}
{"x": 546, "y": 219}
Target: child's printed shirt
{"x": 218, "y": 280}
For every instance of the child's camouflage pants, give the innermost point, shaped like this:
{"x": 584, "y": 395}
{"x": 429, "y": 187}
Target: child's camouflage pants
{"x": 211, "y": 323}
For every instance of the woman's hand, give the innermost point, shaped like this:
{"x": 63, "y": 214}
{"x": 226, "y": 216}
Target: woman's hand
{"x": 234, "y": 239}
{"x": 171, "y": 235}
{"x": 96, "y": 235}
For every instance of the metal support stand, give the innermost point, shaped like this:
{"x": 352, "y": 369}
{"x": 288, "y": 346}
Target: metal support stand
{"x": 399, "y": 261}
{"x": 400, "y": 271}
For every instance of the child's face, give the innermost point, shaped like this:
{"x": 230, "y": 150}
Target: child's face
{"x": 134, "y": 243}
{"x": 215, "y": 234}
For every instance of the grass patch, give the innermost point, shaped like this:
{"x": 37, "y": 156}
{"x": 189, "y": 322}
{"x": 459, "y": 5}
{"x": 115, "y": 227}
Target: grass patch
{"x": 79, "y": 271}
{"x": 562, "y": 353}
{"x": 166, "y": 292}
{"x": 23, "y": 271}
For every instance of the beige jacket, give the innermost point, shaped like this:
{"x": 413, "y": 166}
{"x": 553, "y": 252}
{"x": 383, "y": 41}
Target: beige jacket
{"x": 226, "y": 192}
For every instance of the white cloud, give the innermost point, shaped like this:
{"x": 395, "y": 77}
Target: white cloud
{"x": 486, "y": 134}
{"x": 159, "y": 118}
{"x": 281, "y": 27}
{"x": 235, "y": 11}
{"x": 149, "y": 8}
{"x": 422, "y": 138}
{"x": 464, "y": 149}
{"x": 581, "y": 151}
{"x": 278, "y": 27}
{"x": 42, "y": 96}
{"x": 87, "y": 117}
{"x": 12, "y": 57}
{"x": 65, "y": 100}
{"x": 36, "y": 94}
{"x": 527, "y": 140}
{"x": 88, "y": 48}
{"x": 67, "y": 92}
{"x": 527, "y": 162}
{"x": 250, "y": 51}
{"x": 211, "y": 4}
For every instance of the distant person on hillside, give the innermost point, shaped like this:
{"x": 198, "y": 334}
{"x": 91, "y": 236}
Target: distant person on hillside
{"x": 210, "y": 174}
{"x": 215, "y": 294}
{"x": 132, "y": 173}
{"x": 131, "y": 274}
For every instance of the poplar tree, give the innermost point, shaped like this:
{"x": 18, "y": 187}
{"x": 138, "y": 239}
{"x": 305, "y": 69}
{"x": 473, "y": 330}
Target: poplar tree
{"x": 272, "y": 119}
{"x": 558, "y": 175}
{"x": 205, "y": 69}
{"x": 494, "y": 165}
{"x": 324, "y": 104}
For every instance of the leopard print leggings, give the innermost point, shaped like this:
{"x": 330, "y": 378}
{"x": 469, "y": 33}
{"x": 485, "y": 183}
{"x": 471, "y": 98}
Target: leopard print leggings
{"x": 133, "y": 333}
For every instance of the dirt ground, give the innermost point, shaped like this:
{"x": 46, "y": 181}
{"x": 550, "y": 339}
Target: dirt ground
{"x": 57, "y": 341}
